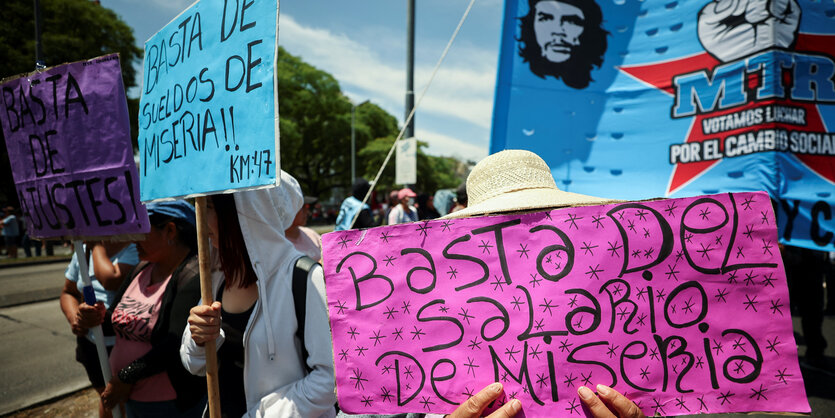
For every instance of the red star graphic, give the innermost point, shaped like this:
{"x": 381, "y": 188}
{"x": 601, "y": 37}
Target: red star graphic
{"x": 660, "y": 75}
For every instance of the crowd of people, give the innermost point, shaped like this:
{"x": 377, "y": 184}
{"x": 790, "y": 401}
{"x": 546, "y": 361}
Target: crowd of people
{"x": 401, "y": 206}
{"x": 274, "y": 349}
{"x": 16, "y": 237}
{"x": 273, "y": 346}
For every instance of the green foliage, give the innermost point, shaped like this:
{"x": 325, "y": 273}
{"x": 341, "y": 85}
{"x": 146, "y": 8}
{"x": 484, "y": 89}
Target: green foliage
{"x": 315, "y": 126}
{"x": 438, "y": 173}
{"x": 72, "y": 30}
{"x": 433, "y": 172}
{"x": 372, "y": 157}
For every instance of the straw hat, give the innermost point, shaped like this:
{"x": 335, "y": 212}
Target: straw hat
{"x": 513, "y": 181}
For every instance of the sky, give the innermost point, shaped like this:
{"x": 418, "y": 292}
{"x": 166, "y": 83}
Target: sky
{"x": 363, "y": 44}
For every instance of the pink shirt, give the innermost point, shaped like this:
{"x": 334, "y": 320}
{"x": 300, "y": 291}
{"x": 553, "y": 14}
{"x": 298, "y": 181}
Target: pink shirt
{"x": 133, "y": 321}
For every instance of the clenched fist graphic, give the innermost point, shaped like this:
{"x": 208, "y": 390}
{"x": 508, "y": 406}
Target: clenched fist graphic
{"x": 730, "y": 29}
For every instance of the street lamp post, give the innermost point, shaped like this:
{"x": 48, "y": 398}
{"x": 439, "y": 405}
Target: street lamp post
{"x": 410, "y": 67}
{"x": 353, "y": 145}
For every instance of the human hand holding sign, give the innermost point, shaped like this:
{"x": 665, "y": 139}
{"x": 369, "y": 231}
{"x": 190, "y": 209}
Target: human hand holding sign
{"x": 115, "y": 393}
{"x": 90, "y": 316}
{"x": 475, "y": 405}
{"x": 730, "y": 29}
{"x": 608, "y": 403}
{"x": 204, "y": 323}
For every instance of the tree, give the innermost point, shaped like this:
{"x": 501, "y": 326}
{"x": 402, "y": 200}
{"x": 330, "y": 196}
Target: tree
{"x": 433, "y": 172}
{"x": 315, "y": 126}
{"x": 72, "y": 30}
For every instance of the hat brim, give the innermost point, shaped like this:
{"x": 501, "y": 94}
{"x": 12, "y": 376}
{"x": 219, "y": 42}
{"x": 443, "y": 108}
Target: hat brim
{"x": 527, "y": 200}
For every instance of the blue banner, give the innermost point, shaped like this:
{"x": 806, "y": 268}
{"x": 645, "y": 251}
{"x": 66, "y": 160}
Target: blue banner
{"x": 665, "y": 98}
{"x": 208, "y": 117}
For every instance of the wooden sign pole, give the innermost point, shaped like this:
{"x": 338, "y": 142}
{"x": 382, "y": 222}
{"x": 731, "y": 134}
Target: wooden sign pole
{"x": 208, "y": 298}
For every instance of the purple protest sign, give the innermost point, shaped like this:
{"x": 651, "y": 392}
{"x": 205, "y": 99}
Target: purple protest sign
{"x": 681, "y": 304}
{"x": 68, "y": 136}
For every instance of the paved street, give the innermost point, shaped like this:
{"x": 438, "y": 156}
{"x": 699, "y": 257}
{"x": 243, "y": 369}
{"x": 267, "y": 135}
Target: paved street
{"x": 37, "y": 356}
{"x": 25, "y": 284}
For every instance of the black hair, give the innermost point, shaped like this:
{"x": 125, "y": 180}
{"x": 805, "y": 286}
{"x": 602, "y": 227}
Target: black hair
{"x": 461, "y": 194}
{"x": 186, "y": 232}
{"x": 234, "y": 257}
{"x": 360, "y": 188}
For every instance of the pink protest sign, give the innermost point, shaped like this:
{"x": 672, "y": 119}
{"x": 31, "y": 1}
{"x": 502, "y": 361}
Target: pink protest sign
{"x": 680, "y": 304}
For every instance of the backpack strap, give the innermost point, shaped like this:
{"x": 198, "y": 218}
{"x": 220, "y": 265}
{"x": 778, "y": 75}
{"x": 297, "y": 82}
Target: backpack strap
{"x": 300, "y": 272}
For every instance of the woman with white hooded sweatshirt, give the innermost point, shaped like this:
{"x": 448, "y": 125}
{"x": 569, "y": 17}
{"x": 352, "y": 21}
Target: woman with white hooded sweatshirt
{"x": 261, "y": 370}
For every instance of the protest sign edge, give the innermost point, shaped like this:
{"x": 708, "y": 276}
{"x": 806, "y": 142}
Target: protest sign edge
{"x": 277, "y": 136}
{"x": 206, "y": 194}
{"x": 40, "y": 70}
{"x": 163, "y": 26}
{"x": 105, "y": 238}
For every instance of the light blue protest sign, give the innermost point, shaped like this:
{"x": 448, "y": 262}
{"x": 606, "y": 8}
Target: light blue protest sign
{"x": 208, "y": 117}
{"x": 640, "y": 99}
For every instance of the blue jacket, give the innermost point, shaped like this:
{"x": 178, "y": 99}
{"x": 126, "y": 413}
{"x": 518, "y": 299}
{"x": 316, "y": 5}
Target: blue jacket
{"x": 347, "y": 211}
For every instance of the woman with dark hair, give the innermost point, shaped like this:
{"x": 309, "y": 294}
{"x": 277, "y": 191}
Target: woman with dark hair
{"x": 460, "y": 198}
{"x": 426, "y": 207}
{"x": 148, "y": 317}
{"x": 262, "y": 370}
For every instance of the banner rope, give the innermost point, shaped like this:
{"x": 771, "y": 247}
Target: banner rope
{"x": 412, "y": 113}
